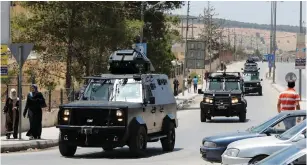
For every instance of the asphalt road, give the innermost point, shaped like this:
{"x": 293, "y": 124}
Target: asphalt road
{"x": 188, "y": 138}
{"x": 283, "y": 68}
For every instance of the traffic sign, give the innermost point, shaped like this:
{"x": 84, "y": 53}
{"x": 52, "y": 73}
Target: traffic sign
{"x": 142, "y": 47}
{"x": 25, "y": 48}
{"x": 290, "y": 77}
{"x": 4, "y": 61}
{"x": 195, "y": 57}
{"x": 271, "y": 58}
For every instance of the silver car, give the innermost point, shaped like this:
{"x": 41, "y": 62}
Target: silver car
{"x": 251, "y": 151}
{"x": 292, "y": 155}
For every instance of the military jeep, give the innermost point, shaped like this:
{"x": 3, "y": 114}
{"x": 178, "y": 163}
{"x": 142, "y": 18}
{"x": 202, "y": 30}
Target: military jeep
{"x": 223, "y": 96}
{"x": 250, "y": 66}
{"x": 129, "y": 106}
{"x": 252, "y": 83}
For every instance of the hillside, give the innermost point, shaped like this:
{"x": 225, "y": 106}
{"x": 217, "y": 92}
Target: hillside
{"x": 237, "y": 24}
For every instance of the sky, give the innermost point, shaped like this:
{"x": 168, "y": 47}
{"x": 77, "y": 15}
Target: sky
{"x": 250, "y": 11}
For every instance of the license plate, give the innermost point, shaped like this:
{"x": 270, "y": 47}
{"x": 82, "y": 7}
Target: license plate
{"x": 221, "y": 107}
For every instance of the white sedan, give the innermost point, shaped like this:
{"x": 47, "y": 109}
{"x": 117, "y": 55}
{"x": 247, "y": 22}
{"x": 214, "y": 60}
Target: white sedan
{"x": 251, "y": 151}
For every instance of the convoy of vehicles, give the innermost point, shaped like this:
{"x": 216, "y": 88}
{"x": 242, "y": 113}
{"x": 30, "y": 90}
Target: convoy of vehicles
{"x": 127, "y": 107}
{"x": 131, "y": 106}
{"x": 223, "y": 97}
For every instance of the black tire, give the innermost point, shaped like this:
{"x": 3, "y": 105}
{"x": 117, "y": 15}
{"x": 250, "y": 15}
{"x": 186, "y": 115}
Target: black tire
{"x": 202, "y": 116}
{"x": 65, "y": 149}
{"x": 242, "y": 116}
{"x": 256, "y": 159}
{"x": 168, "y": 143}
{"x": 138, "y": 141}
{"x": 107, "y": 149}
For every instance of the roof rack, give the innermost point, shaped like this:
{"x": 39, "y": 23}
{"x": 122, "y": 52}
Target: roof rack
{"x": 224, "y": 75}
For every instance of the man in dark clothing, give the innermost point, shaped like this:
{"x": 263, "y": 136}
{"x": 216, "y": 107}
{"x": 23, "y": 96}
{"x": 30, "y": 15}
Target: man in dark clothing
{"x": 176, "y": 85}
{"x": 206, "y": 76}
{"x": 34, "y": 104}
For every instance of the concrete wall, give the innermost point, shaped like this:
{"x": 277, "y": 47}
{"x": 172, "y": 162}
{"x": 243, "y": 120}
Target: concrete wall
{"x": 49, "y": 120}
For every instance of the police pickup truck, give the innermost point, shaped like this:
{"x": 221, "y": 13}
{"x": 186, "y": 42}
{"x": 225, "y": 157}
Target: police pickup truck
{"x": 223, "y": 96}
{"x": 130, "y": 107}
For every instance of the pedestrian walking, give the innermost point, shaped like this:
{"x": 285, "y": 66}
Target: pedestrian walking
{"x": 288, "y": 100}
{"x": 176, "y": 85}
{"x": 11, "y": 111}
{"x": 206, "y": 77}
{"x": 195, "y": 82}
{"x": 189, "y": 84}
{"x": 34, "y": 104}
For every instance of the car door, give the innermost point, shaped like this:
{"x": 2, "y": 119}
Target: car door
{"x": 150, "y": 110}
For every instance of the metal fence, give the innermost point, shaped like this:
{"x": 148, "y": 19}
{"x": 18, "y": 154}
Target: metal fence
{"x": 53, "y": 98}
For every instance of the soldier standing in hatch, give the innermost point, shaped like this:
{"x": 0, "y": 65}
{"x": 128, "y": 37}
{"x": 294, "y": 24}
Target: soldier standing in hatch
{"x": 176, "y": 85}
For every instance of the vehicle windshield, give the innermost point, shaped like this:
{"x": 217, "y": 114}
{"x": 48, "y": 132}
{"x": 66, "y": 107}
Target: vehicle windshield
{"x": 98, "y": 90}
{"x": 265, "y": 125}
{"x": 292, "y": 131}
{"x": 215, "y": 85}
{"x": 250, "y": 76}
{"x": 130, "y": 92}
{"x": 232, "y": 85}
{"x": 114, "y": 90}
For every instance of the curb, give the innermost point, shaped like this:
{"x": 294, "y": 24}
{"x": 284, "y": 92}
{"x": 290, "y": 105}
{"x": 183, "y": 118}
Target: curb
{"x": 40, "y": 144}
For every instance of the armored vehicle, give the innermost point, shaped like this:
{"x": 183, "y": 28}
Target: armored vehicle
{"x": 223, "y": 96}
{"x": 252, "y": 83}
{"x": 130, "y": 106}
{"x": 250, "y": 66}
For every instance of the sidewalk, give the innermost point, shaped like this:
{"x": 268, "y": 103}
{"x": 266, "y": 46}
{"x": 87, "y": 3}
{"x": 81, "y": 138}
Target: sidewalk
{"x": 49, "y": 139}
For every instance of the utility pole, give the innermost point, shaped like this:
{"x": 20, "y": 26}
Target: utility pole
{"x": 274, "y": 41}
{"x": 142, "y": 19}
{"x": 271, "y": 35}
{"x": 220, "y": 47}
{"x": 234, "y": 45}
{"x": 301, "y": 31}
{"x": 186, "y": 49}
{"x": 209, "y": 36}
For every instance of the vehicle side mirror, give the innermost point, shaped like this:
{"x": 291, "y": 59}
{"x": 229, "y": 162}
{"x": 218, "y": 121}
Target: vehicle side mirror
{"x": 200, "y": 91}
{"x": 241, "y": 68}
{"x": 269, "y": 131}
{"x": 299, "y": 137}
{"x": 261, "y": 79}
{"x": 258, "y": 68}
{"x": 152, "y": 100}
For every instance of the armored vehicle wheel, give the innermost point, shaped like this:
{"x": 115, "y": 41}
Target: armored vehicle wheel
{"x": 168, "y": 143}
{"x": 107, "y": 149}
{"x": 202, "y": 116}
{"x": 138, "y": 141}
{"x": 242, "y": 116}
{"x": 65, "y": 149}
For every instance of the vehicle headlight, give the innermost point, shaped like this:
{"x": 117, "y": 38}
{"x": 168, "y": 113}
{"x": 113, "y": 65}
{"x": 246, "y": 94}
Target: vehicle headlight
{"x": 234, "y": 100}
{"x": 209, "y": 144}
{"x": 119, "y": 113}
{"x": 233, "y": 152}
{"x": 208, "y": 100}
{"x": 258, "y": 84}
{"x": 66, "y": 112}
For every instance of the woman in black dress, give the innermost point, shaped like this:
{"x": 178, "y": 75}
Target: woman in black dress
{"x": 35, "y": 103}
{"x": 11, "y": 111}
